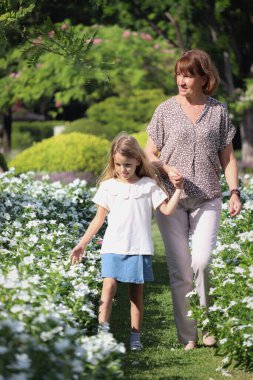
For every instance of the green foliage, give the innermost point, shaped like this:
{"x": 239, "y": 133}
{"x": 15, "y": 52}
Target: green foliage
{"x": 84, "y": 125}
{"x": 116, "y": 114}
{"x": 245, "y": 99}
{"x": 61, "y": 40}
{"x": 135, "y": 63}
{"x": 73, "y": 152}
{"x": 138, "y": 62}
{"x": 141, "y": 137}
{"x": 25, "y": 133}
{"x": 11, "y": 12}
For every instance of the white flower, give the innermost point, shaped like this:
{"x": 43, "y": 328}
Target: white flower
{"x": 192, "y": 293}
{"x": 22, "y": 362}
{"x": 205, "y": 322}
{"x": 7, "y": 216}
{"x": 16, "y": 309}
{"x": 223, "y": 341}
{"x": 239, "y": 270}
{"x": 3, "y": 350}
{"x": 61, "y": 345}
{"x": 33, "y": 239}
{"x": 28, "y": 259}
{"x": 225, "y": 373}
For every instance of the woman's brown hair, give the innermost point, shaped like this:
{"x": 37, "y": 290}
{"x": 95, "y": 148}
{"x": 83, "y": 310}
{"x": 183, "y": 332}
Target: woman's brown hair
{"x": 197, "y": 62}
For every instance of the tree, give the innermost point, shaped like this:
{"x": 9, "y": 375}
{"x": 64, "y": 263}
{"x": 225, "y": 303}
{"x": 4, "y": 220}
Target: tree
{"x": 132, "y": 60}
{"x": 61, "y": 41}
{"x": 221, "y": 27}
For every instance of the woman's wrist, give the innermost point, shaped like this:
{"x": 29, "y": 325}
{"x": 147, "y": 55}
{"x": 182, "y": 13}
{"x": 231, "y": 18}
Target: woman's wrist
{"x": 165, "y": 167}
{"x": 235, "y": 191}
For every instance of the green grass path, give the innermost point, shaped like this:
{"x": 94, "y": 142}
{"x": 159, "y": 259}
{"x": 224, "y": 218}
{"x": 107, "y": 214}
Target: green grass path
{"x": 162, "y": 358}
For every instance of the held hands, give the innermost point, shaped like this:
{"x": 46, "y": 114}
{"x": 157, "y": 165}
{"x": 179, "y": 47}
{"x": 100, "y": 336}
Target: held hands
{"x": 76, "y": 254}
{"x": 175, "y": 177}
{"x": 235, "y": 205}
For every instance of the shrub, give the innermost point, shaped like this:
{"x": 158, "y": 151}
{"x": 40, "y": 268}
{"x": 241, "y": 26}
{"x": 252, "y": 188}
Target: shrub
{"x": 86, "y": 126}
{"x": 25, "y": 133}
{"x": 48, "y": 308}
{"x": 116, "y": 114}
{"x": 71, "y": 152}
{"x": 141, "y": 137}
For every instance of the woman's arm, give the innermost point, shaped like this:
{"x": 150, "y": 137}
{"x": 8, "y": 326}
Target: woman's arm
{"x": 95, "y": 225}
{"x": 152, "y": 154}
{"x": 229, "y": 165}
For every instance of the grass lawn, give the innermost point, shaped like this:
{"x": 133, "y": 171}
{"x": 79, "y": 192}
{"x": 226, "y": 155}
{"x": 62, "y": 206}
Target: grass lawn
{"x": 163, "y": 358}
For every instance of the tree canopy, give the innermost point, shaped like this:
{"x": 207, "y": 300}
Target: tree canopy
{"x": 55, "y": 54}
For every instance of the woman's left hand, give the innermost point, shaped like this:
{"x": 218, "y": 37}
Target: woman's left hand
{"x": 235, "y": 205}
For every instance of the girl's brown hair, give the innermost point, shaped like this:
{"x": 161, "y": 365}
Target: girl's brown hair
{"x": 197, "y": 62}
{"x": 127, "y": 146}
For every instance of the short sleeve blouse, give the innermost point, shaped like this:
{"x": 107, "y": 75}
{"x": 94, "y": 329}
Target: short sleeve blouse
{"x": 192, "y": 148}
{"x": 130, "y": 213}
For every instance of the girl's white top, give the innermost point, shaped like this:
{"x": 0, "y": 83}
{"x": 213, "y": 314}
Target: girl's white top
{"x": 130, "y": 213}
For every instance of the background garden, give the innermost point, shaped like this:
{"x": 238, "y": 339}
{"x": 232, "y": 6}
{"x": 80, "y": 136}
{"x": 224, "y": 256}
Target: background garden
{"x": 73, "y": 75}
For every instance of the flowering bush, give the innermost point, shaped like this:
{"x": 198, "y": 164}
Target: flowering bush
{"x": 230, "y": 318}
{"x": 48, "y": 307}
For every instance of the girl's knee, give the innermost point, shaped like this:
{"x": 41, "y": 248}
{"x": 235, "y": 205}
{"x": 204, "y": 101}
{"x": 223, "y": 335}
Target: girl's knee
{"x": 109, "y": 286}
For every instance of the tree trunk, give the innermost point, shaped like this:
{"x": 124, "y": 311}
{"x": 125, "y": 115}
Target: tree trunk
{"x": 246, "y": 126}
{"x": 177, "y": 31}
{"x": 6, "y": 132}
{"x": 228, "y": 73}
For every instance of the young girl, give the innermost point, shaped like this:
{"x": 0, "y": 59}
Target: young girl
{"x": 127, "y": 194}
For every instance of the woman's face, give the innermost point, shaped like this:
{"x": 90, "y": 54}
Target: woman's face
{"x": 189, "y": 85}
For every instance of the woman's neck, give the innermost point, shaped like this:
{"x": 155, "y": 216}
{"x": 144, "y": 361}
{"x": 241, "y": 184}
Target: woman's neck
{"x": 197, "y": 100}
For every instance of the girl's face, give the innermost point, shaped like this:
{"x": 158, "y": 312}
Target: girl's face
{"x": 189, "y": 85}
{"x": 125, "y": 168}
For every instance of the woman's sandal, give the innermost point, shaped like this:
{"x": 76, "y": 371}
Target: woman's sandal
{"x": 190, "y": 345}
{"x": 209, "y": 340}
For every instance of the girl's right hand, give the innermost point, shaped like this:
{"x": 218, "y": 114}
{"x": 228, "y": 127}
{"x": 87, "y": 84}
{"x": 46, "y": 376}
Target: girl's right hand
{"x": 76, "y": 254}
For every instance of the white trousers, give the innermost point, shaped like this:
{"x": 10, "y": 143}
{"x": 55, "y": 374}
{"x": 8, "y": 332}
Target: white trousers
{"x": 195, "y": 222}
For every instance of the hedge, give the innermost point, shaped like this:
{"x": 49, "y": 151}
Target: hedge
{"x": 72, "y": 152}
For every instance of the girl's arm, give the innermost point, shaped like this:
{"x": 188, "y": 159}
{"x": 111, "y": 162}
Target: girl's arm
{"x": 95, "y": 225}
{"x": 168, "y": 207}
{"x": 229, "y": 166}
{"x": 152, "y": 154}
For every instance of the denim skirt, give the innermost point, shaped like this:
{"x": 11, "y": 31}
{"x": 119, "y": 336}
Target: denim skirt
{"x": 135, "y": 269}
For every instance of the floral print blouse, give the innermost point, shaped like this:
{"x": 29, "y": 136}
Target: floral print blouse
{"x": 192, "y": 148}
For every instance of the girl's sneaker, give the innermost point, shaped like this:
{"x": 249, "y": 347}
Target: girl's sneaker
{"x": 135, "y": 344}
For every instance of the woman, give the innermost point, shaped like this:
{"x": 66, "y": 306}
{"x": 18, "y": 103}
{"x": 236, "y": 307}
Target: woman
{"x": 190, "y": 135}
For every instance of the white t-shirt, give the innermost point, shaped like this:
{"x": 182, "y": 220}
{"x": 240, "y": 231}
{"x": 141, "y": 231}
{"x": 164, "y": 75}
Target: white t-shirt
{"x": 130, "y": 212}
